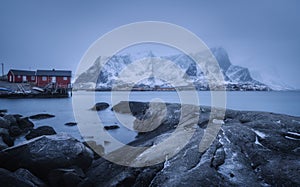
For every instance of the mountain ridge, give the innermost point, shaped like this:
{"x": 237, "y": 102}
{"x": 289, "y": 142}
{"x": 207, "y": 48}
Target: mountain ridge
{"x": 103, "y": 76}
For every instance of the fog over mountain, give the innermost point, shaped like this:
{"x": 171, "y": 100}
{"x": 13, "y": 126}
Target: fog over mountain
{"x": 104, "y": 76}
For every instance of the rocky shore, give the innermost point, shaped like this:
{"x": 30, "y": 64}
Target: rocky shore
{"x": 250, "y": 149}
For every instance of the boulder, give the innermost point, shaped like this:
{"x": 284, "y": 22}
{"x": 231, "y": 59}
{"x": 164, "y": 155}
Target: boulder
{"x": 3, "y": 131}
{"x": 29, "y": 177}
{"x": 8, "y": 140}
{"x": 66, "y": 177}
{"x": 3, "y": 145}
{"x": 4, "y": 123}
{"x": 133, "y": 107}
{"x": 15, "y": 131}
{"x": 100, "y": 106}
{"x": 45, "y": 153}
{"x": 111, "y": 127}
{"x": 40, "y": 131}
{"x": 41, "y": 116}
{"x": 11, "y": 119}
{"x": 21, "y": 177}
{"x": 71, "y": 124}
{"x": 25, "y": 124}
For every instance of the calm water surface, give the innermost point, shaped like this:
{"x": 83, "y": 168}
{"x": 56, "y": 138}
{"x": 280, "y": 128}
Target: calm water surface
{"x": 277, "y": 102}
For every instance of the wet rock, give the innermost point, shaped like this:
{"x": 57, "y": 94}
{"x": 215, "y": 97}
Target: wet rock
{"x": 15, "y": 131}
{"x": 8, "y": 140}
{"x": 25, "y": 124}
{"x": 4, "y": 123}
{"x": 219, "y": 158}
{"x": 11, "y": 118}
{"x": 111, "y": 127}
{"x": 40, "y": 131}
{"x": 29, "y": 177}
{"x": 86, "y": 183}
{"x": 43, "y": 154}
{"x": 41, "y": 116}
{"x": 3, "y": 145}
{"x": 66, "y": 177}
{"x": 3, "y": 110}
{"x": 250, "y": 149}
{"x": 3, "y": 131}
{"x": 20, "y": 178}
{"x": 100, "y": 106}
{"x": 71, "y": 124}
{"x": 135, "y": 108}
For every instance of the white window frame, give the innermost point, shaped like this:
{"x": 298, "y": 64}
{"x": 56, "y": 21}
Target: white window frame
{"x": 65, "y": 78}
{"x": 24, "y": 78}
{"x": 53, "y": 79}
{"x": 44, "y": 78}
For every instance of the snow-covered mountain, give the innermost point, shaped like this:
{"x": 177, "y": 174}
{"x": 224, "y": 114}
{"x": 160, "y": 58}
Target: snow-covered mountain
{"x": 146, "y": 71}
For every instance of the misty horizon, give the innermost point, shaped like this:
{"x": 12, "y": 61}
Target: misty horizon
{"x": 262, "y": 36}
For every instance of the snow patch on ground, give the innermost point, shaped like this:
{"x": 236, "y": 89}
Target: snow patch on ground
{"x": 259, "y": 133}
{"x": 257, "y": 142}
{"x": 294, "y": 133}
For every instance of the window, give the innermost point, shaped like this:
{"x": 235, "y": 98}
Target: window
{"x": 19, "y": 76}
{"x": 65, "y": 78}
{"x": 53, "y": 79}
{"x": 44, "y": 78}
{"x": 24, "y": 78}
{"x": 32, "y": 78}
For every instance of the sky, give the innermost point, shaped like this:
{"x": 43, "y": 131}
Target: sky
{"x": 262, "y": 35}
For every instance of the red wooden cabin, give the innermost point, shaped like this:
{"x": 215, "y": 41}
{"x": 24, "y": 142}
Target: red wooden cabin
{"x": 18, "y": 76}
{"x": 61, "y": 78}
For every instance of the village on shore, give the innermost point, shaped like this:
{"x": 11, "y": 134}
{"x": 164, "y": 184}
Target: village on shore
{"x": 36, "y": 84}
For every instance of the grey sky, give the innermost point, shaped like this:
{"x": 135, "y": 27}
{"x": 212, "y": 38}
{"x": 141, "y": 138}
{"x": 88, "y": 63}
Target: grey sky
{"x": 263, "y": 35}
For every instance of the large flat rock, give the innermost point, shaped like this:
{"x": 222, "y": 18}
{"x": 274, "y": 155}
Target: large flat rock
{"x": 250, "y": 149}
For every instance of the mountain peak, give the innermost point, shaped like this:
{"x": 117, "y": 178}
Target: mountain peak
{"x": 222, "y": 57}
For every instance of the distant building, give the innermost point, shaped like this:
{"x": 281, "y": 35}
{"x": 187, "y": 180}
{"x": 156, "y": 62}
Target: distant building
{"x": 61, "y": 78}
{"x": 18, "y": 76}
{"x": 41, "y": 78}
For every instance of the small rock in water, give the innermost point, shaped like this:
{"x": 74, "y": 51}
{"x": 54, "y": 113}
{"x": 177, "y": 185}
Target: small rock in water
{"x": 111, "y": 127}
{"x": 41, "y": 116}
{"x": 100, "y": 106}
{"x": 71, "y": 124}
{"x": 40, "y": 131}
{"x": 3, "y": 110}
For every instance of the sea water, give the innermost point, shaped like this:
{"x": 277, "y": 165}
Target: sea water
{"x": 284, "y": 102}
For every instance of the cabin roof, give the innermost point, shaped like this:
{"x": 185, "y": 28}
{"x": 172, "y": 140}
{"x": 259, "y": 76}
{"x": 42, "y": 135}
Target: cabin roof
{"x": 22, "y": 72}
{"x": 59, "y": 73}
